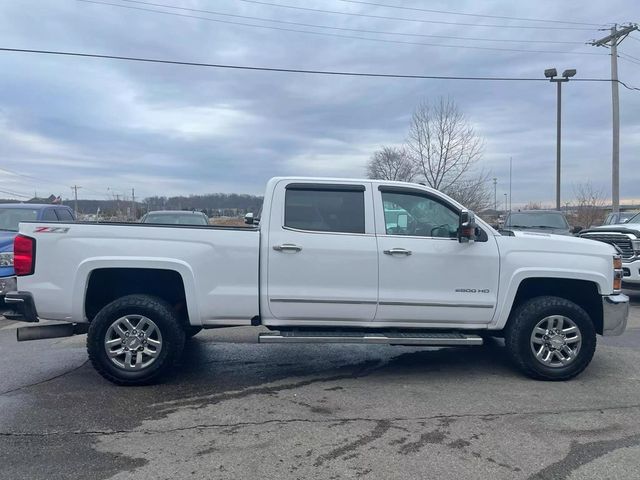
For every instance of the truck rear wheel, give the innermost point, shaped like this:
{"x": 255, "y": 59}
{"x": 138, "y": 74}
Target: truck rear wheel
{"x": 135, "y": 339}
{"x": 550, "y": 338}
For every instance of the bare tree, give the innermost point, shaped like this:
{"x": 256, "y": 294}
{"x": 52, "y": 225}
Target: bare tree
{"x": 531, "y": 205}
{"x": 445, "y": 150}
{"x": 588, "y": 205}
{"x": 472, "y": 192}
{"x": 391, "y": 163}
{"x": 442, "y": 143}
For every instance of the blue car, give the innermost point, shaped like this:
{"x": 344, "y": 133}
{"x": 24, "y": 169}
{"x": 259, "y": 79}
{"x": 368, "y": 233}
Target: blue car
{"x": 11, "y": 214}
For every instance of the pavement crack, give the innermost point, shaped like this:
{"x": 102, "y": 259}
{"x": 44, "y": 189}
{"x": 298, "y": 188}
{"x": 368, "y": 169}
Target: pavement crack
{"x": 23, "y": 387}
{"x": 363, "y": 369}
{"x": 333, "y": 420}
{"x": 581, "y": 454}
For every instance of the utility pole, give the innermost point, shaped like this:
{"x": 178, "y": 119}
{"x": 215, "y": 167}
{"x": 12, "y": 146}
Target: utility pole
{"x": 75, "y": 199}
{"x": 133, "y": 204}
{"x": 510, "y": 169}
{"x": 613, "y": 40}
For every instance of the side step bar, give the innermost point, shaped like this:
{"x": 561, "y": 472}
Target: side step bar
{"x": 54, "y": 330}
{"x": 390, "y": 338}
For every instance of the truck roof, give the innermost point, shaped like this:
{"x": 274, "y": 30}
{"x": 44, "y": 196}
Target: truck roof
{"x": 173, "y": 212}
{"x": 538, "y": 211}
{"x": 348, "y": 180}
{"x": 29, "y": 206}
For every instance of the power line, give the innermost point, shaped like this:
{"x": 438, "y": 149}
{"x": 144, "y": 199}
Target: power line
{"x": 447, "y": 12}
{"x": 629, "y": 56}
{"x": 325, "y": 34}
{"x": 14, "y": 194}
{"x": 404, "y": 19}
{"x": 289, "y": 70}
{"x": 630, "y": 61}
{"x": 344, "y": 29}
{"x": 39, "y": 179}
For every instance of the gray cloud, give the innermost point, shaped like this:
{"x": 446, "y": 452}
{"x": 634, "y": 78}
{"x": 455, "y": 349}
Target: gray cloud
{"x": 179, "y": 130}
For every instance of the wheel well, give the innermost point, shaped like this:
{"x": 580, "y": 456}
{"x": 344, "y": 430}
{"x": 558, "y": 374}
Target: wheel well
{"x": 581, "y": 292}
{"x": 107, "y": 284}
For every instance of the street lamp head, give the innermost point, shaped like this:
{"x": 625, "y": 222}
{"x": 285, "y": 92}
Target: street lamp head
{"x": 569, "y": 73}
{"x": 550, "y": 72}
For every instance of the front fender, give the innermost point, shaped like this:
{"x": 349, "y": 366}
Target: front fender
{"x": 518, "y": 276}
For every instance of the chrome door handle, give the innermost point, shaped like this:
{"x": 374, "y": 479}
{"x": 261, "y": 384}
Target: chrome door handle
{"x": 401, "y": 251}
{"x": 287, "y": 247}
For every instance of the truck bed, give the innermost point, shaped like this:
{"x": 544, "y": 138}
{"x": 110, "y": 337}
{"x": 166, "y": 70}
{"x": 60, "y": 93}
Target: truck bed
{"x": 218, "y": 265}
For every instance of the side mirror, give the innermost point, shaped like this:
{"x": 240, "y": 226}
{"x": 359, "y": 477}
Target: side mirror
{"x": 576, "y": 229}
{"x": 467, "y": 226}
{"x": 248, "y": 219}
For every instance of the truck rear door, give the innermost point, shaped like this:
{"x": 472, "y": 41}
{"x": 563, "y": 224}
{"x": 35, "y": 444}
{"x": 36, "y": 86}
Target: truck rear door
{"x": 322, "y": 254}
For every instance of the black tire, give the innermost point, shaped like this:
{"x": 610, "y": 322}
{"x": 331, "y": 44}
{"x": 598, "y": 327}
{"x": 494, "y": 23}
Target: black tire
{"x": 166, "y": 321}
{"x": 520, "y": 328}
{"x": 192, "y": 331}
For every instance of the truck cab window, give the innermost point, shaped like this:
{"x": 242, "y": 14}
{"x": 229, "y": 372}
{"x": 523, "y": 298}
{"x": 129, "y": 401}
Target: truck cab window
{"x": 64, "y": 215}
{"x": 49, "y": 215}
{"x": 325, "y": 210}
{"x": 417, "y": 215}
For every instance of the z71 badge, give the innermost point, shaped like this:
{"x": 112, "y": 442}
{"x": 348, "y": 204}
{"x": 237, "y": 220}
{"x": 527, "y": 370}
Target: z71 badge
{"x": 51, "y": 230}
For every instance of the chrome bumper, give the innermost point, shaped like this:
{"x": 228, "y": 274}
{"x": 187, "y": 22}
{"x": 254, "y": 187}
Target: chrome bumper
{"x": 7, "y": 284}
{"x": 615, "y": 310}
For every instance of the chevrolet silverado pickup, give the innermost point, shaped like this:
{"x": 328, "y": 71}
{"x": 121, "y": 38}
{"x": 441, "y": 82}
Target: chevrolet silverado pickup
{"x": 329, "y": 260}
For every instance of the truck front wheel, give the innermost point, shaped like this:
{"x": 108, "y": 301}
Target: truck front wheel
{"x": 550, "y": 338}
{"x": 135, "y": 339}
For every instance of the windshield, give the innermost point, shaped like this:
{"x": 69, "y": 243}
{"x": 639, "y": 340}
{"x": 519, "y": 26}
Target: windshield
{"x": 175, "y": 219}
{"x": 632, "y": 219}
{"x": 537, "y": 219}
{"x": 11, "y": 217}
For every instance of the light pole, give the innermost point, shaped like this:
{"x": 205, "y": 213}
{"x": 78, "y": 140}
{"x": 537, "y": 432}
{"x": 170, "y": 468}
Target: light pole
{"x": 551, "y": 74}
{"x": 495, "y": 193}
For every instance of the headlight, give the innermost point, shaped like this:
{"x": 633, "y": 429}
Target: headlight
{"x": 636, "y": 245}
{"x": 6, "y": 259}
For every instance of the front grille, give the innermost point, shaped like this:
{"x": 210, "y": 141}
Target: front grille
{"x": 621, "y": 241}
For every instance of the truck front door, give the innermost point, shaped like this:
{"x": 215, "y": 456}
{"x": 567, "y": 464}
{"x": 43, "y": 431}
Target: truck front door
{"x": 322, "y": 255}
{"x": 426, "y": 275}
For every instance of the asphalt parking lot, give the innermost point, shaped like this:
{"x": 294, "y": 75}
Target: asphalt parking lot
{"x": 235, "y": 410}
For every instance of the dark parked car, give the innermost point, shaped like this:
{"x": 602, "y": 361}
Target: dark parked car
{"x": 175, "y": 217}
{"x": 11, "y": 214}
{"x": 619, "y": 218}
{"x": 547, "y": 221}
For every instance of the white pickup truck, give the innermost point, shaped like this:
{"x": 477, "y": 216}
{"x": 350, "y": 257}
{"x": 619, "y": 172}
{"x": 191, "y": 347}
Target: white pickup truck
{"x": 330, "y": 260}
{"x": 626, "y": 239}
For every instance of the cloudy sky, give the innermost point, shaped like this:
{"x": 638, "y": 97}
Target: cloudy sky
{"x": 111, "y": 125}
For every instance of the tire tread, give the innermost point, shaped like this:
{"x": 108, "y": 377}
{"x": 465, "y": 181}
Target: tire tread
{"x": 519, "y": 326}
{"x": 173, "y": 337}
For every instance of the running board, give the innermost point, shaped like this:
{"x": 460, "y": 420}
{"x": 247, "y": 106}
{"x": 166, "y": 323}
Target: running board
{"x": 389, "y": 338}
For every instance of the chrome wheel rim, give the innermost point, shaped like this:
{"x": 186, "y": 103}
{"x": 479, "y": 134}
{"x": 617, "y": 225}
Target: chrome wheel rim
{"x": 133, "y": 342}
{"x": 556, "y": 341}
